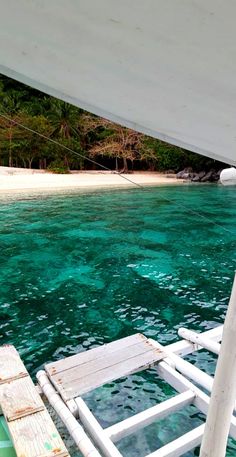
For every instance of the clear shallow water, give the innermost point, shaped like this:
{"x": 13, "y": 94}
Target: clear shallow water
{"x": 80, "y": 270}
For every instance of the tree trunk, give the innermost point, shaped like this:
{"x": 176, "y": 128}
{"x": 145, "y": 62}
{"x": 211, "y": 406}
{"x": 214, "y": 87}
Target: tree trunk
{"x": 10, "y": 151}
{"x": 125, "y": 165}
{"x": 66, "y": 162}
{"x": 30, "y": 162}
{"x": 10, "y": 159}
{"x": 23, "y": 161}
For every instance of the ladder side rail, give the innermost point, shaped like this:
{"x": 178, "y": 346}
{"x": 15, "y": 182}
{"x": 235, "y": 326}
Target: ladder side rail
{"x": 184, "y": 347}
{"x": 199, "y": 339}
{"x": 190, "y": 371}
{"x": 95, "y": 430}
{"x": 75, "y": 430}
{"x": 187, "y": 369}
{"x": 181, "y": 384}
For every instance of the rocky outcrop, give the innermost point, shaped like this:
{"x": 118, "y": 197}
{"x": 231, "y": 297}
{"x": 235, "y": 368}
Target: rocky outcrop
{"x": 202, "y": 176}
{"x": 187, "y": 173}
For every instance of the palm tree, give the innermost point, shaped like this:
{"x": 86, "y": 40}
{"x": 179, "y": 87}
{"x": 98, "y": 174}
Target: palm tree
{"x": 64, "y": 119}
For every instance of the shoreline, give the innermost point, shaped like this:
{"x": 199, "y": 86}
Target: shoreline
{"x": 14, "y": 180}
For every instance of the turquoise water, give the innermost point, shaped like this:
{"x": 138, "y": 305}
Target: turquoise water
{"x": 82, "y": 269}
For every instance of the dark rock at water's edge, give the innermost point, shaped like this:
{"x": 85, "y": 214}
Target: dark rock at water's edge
{"x": 199, "y": 176}
{"x": 186, "y": 173}
{"x": 202, "y": 176}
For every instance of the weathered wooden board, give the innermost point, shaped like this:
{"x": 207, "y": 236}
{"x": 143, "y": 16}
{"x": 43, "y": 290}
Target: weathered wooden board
{"x": 93, "y": 354}
{"x": 36, "y": 436}
{"x": 11, "y": 366}
{"x": 108, "y": 360}
{"x": 89, "y": 375}
{"x": 19, "y": 398}
{"x": 31, "y": 428}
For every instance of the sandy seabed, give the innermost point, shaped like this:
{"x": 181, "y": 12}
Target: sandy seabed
{"x": 19, "y": 179}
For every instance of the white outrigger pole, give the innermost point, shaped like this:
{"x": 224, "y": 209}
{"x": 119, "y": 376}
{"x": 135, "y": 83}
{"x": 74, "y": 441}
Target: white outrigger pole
{"x": 224, "y": 389}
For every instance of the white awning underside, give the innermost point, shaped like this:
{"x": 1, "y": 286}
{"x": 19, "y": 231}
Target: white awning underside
{"x": 163, "y": 67}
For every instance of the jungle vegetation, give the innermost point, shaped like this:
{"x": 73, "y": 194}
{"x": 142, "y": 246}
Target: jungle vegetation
{"x": 94, "y": 139}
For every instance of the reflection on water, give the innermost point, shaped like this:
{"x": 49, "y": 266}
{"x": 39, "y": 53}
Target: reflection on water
{"x": 80, "y": 270}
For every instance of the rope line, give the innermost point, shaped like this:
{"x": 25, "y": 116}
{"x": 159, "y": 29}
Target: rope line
{"x": 57, "y": 143}
{"x": 196, "y": 213}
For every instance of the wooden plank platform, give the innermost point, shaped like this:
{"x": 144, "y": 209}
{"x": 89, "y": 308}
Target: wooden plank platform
{"x": 31, "y": 428}
{"x": 11, "y": 365}
{"x": 36, "y": 436}
{"x": 18, "y": 398}
{"x": 83, "y": 372}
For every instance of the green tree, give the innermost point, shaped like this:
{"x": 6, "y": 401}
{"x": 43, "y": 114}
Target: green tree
{"x": 82, "y": 132}
{"x": 34, "y": 146}
{"x": 10, "y": 136}
{"x": 63, "y": 158}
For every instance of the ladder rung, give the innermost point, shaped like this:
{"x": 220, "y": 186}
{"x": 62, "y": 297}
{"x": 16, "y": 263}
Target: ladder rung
{"x": 141, "y": 420}
{"x": 181, "y": 445}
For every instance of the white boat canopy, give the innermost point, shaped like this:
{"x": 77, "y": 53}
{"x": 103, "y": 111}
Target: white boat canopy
{"x": 166, "y": 68}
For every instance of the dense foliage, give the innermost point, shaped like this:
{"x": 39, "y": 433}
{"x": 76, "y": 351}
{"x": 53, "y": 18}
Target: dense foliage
{"x": 87, "y": 139}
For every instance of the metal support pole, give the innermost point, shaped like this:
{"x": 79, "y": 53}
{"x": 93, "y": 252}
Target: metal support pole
{"x": 223, "y": 395}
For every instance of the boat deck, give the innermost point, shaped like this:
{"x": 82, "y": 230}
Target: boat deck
{"x": 31, "y": 428}
{"x": 63, "y": 382}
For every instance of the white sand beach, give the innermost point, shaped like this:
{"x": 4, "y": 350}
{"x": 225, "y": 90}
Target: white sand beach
{"x": 20, "y": 179}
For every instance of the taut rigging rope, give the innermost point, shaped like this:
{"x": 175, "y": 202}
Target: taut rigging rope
{"x": 196, "y": 213}
{"x": 68, "y": 149}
